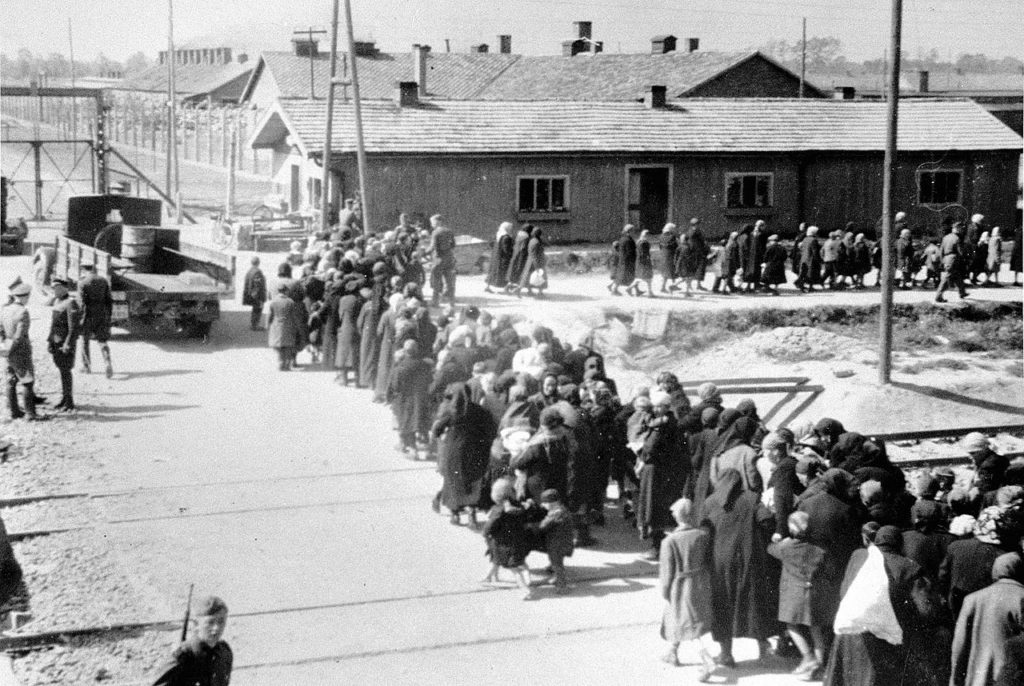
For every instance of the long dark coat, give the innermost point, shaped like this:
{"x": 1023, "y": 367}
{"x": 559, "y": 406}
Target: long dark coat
{"x": 801, "y": 600}
{"x": 688, "y": 261}
{"x": 625, "y": 269}
{"x": 386, "y": 353}
{"x": 702, "y": 452}
{"x": 662, "y": 476}
{"x": 743, "y": 247}
{"x": 668, "y": 244}
{"x": 774, "y": 265}
{"x": 545, "y": 462}
{"x": 810, "y": 260}
{"x": 465, "y": 448}
{"x": 254, "y": 290}
{"x": 966, "y": 568}
{"x": 1016, "y": 253}
{"x": 367, "y": 325}
{"x": 517, "y": 262}
{"x": 699, "y": 246}
{"x": 407, "y": 393}
{"x": 644, "y": 262}
{"x": 740, "y": 528}
{"x": 347, "y": 355}
{"x": 501, "y": 257}
{"x": 329, "y": 325}
{"x": 756, "y": 247}
{"x": 733, "y": 259}
{"x": 283, "y": 323}
{"x": 535, "y": 260}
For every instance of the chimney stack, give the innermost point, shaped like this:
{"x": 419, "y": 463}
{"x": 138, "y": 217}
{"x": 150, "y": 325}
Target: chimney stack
{"x": 583, "y": 29}
{"x": 479, "y": 48}
{"x": 844, "y": 93}
{"x": 407, "y": 93}
{"x": 663, "y": 44}
{"x": 365, "y": 48}
{"x": 693, "y": 44}
{"x": 922, "y": 84}
{"x": 505, "y": 43}
{"x": 304, "y": 47}
{"x": 419, "y": 67}
{"x": 654, "y": 99}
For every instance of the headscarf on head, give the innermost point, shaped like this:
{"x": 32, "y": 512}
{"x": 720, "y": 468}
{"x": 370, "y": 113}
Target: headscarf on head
{"x": 1008, "y": 566}
{"x": 709, "y": 417}
{"x": 747, "y": 408}
{"x": 847, "y": 451}
{"x": 739, "y": 433}
{"x": 709, "y": 393}
{"x": 927, "y": 516}
{"x": 837, "y": 482}
{"x": 771, "y": 441}
{"x": 460, "y": 400}
{"x": 889, "y": 539}
{"x": 827, "y": 426}
{"x": 986, "y": 528}
{"x": 727, "y": 490}
{"x": 802, "y": 428}
{"x": 726, "y": 419}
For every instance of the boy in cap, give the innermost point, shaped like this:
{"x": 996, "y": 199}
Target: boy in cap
{"x": 14, "y": 338}
{"x": 64, "y": 320}
{"x": 204, "y": 659}
{"x": 556, "y": 530}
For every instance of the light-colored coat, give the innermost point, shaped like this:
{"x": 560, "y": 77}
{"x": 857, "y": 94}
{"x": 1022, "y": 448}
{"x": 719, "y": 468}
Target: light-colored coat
{"x": 988, "y": 618}
{"x": 684, "y": 572}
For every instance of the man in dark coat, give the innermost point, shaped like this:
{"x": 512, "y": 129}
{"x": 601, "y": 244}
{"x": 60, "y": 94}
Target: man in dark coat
{"x": 468, "y": 430}
{"x": 989, "y": 617}
{"x": 64, "y": 320}
{"x": 254, "y": 293}
{"x": 204, "y": 660}
{"x": 407, "y": 392}
{"x": 97, "y": 309}
{"x": 284, "y": 327}
{"x": 442, "y": 273}
{"x": 625, "y": 271}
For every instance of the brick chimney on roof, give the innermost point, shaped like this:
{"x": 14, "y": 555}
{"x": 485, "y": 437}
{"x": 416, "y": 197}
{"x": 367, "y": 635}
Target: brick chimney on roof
{"x": 419, "y": 67}
{"x": 479, "y": 48}
{"x": 693, "y": 44}
{"x": 583, "y": 29}
{"x": 663, "y": 44}
{"x": 922, "y": 83}
{"x": 407, "y": 93}
{"x": 306, "y": 47}
{"x": 655, "y": 98}
{"x": 505, "y": 43}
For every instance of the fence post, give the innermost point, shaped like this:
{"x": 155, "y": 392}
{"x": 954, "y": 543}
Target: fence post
{"x": 223, "y": 137}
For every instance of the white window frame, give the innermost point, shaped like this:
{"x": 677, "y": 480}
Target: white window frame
{"x": 941, "y": 170}
{"x": 566, "y": 199}
{"x": 729, "y": 176}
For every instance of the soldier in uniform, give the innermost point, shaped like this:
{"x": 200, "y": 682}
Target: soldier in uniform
{"x": 14, "y": 341}
{"x": 952, "y": 264}
{"x": 97, "y": 308}
{"x": 64, "y": 322}
{"x": 204, "y": 660}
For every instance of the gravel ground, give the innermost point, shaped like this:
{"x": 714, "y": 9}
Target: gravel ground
{"x": 49, "y": 514}
{"x": 121, "y": 657}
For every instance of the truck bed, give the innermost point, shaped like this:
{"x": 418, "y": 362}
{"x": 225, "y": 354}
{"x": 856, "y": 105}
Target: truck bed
{"x": 163, "y": 284}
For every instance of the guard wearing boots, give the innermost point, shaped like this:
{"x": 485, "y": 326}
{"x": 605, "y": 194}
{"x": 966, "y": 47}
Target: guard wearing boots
{"x": 97, "y": 308}
{"x": 64, "y": 321}
{"x": 16, "y": 346}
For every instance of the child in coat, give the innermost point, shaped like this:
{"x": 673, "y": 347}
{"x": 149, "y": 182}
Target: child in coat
{"x": 556, "y": 532}
{"x": 799, "y": 605}
{"x": 508, "y": 541}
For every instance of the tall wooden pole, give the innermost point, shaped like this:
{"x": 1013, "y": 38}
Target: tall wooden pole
{"x": 803, "y": 58}
{"x": 175, "y": 190}
{"x": 885, "y": 274}
{"x": 74, "y": 101}
{"x": 325, "y": 181}
{"x": 364, "y": 199}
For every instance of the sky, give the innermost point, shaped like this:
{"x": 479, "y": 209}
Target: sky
{"x": 119, "y": 28}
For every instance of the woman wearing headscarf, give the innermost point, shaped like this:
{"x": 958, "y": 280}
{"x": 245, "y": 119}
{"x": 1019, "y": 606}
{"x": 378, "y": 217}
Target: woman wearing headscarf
{"x": 687, "y": 264}
{"x": 501, "y": 256}
{"x": 967, "y": 564}
{"x": 731, "y": 263}
{"x": 703, "y": 452}
{"x": 625, "y": 263}
{"x": 734, "y": 452}
{"x": 743, "y": 245}
{"x": 708, "y": 396}
{"x": 774, "y": 265}
{"x": 544, "y": 463}
{"x": 989, "y": 618}
{"x": 535, "y": 271}
{"x": 329, "y": 322}
{"x": 466, "y": 431}
{"x": 756, "y": 244}
{"x": 644, "y": 265}
{"x": 668, "y": 244}
{"x": 993, "y": 257}
{"x": 828, "y": 430}
{"x": 861, "y": 260}
{"x": 784, "y": 483}
{"x": 740, "y": 527}
{"x": 520, "y": 407}
{"x": 386, "y": 347}
{"x": 748, "y": 408}
{"x": 347, "y": 356}
{"x": 609, "y": 440}
{"x": 662, "y": 469}
{"x": 517, "y": 262}
{"x": 927, "y": 542}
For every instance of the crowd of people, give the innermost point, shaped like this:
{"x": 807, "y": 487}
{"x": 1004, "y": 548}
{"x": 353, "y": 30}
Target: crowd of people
{"x": 752, "y": 260}
{"x": 759, "y": 533}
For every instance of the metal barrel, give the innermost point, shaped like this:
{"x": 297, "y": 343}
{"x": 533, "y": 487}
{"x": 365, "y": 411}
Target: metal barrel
{"x": 137, "y": 245}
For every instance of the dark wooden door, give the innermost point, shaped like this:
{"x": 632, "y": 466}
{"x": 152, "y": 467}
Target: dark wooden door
{"x": 648, "y": 198}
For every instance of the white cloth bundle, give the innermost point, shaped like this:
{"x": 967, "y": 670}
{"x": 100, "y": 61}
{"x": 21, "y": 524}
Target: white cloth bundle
{"x": 866, "y": 605}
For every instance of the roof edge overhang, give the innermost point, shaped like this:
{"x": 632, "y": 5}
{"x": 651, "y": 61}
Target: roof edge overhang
{"x": 318, "y": 153}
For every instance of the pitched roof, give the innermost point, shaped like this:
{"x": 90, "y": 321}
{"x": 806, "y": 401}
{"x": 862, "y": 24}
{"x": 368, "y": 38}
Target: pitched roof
{"x": 696, "y": 125}
{"x": 189, "y": 79}
{"x": 938, "y": 81}
{"x": 449, "y": 75}
{"x": 606, "y": 76}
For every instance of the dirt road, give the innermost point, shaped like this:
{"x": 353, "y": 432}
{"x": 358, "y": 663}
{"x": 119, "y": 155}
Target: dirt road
{"x": 282, "y": 492}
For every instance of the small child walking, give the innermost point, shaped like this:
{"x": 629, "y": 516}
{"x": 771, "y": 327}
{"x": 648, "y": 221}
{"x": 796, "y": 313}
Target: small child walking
{"x": 508, "y": 541}
{"x": 801, "y": 602}
{"x": 556, "y": 532}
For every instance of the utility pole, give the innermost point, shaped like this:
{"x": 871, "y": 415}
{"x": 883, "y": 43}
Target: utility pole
{"x": 360, "y": 147}
{"x": 309, "y": 32}
{"x": 803, "y": 58}
{"x": 74, "y": 101}
{"x": 885, "y": 274}
{"x": 325, "y": 180}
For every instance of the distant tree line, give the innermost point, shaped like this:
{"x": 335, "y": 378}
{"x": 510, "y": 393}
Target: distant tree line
{"x": 26, "y": 66}
{"x": 826, "y": 54}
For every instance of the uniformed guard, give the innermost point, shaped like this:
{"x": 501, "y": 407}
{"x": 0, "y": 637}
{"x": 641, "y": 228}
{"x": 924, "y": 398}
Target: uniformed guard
{"x": 17, "y": 348}
{"x": 203, "y": 660}
{"x": 64, "y": 323}
{"x": 97, "y": 309}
